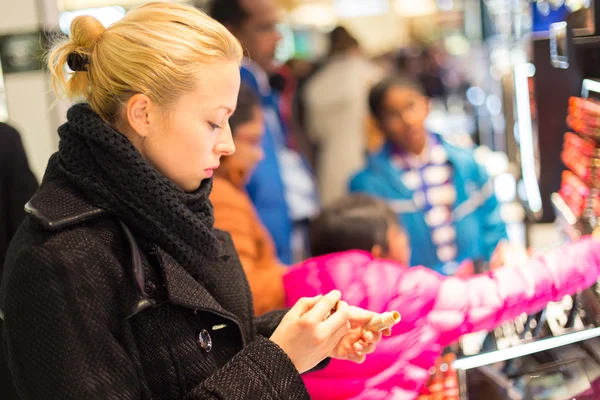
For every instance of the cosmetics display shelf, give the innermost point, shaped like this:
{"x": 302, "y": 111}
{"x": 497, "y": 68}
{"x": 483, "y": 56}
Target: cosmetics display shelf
{"x": 567, "y": 364}
{"x": 569, "y": 225}
{"x": 581, "y": 155}
{"x": 555, "y": 354}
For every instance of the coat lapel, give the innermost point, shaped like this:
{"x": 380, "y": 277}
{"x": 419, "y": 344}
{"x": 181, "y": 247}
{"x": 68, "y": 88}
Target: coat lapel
{"x": 183, "y": 289}
{"x": 227, "y": 284}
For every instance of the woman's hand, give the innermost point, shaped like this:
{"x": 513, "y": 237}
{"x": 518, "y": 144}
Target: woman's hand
{"x": 309, "y": 332}
{"x": 358, "y": 342}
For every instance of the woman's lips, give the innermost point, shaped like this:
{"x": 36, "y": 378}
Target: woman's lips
{"x": 210, "y": 171}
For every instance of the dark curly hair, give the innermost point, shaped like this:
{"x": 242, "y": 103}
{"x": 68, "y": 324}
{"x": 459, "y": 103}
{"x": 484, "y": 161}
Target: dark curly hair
{"x": 354, "y": 222}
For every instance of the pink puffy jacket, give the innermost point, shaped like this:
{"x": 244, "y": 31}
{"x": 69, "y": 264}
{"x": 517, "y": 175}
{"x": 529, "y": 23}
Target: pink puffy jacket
{"x": 436, "y": 310}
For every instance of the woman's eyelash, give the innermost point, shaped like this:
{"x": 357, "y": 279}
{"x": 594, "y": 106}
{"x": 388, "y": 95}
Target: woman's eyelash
{"x": 214, "y": 126}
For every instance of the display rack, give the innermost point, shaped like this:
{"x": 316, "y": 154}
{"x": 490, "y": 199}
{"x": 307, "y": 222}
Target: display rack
{"x": 565, "y": 349}
{"x": 584, "y": 120}
{"x": 547, "y": 359}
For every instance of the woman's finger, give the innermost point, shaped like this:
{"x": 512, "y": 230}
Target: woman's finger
{"x": 303, "y": 305}
{"x": 357, "y": 357}
{"x": 323, "y": 308}
{"x": 371, "y": 337}
{"x": 337, "y": 320}
{"x": 368, "y": 348}
{"x": 359, "y": 316}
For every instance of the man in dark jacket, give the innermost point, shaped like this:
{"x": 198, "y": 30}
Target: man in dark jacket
{"x": 17, "y": 185}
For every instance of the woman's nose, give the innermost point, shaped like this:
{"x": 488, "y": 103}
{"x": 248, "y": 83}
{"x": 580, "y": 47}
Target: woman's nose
{"x": 225, "y": 145}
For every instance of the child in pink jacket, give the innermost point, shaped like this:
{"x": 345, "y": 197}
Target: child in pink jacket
{"x": 435, "y": 310}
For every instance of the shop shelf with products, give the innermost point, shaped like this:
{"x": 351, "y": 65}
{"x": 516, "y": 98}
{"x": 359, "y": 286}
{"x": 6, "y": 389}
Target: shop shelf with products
{"x": 577, "y": 204}
{"x": 581, "y": 155}
{"x": 555, "y": 354}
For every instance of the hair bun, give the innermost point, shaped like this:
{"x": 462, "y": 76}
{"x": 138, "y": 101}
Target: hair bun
{"x": 86, "y": 31}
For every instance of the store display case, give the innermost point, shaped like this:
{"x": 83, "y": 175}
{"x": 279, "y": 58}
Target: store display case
{"x": 555, "y": 368}
{"x": 555, "y": 354}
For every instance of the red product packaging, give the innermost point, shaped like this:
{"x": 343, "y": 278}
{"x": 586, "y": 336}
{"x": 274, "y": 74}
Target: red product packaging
{"x": 587, "y": 106}
{"x": 577, "y": 155}
{"x": 436, "y": 388}
{"x": 575, "y": 193}
{"x": 451, "y": 390}
{"x": 576, "y": 143}
{"x": 584, "y": 116}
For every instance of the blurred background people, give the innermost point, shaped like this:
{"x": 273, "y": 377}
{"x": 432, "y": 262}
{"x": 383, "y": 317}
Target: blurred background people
{"x": 337, "y": 113}
{"x": 440, "y": 193}
{"x": 289, "y": 80}
{"x": 360, "y": 249}
{"x": 234, "y": 211}
{"x": 282, "y": 187}
{"x": 17, "y": 185}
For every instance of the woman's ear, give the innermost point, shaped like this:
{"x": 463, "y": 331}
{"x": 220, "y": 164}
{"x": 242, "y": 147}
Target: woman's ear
{"x": 138, "y": 114}
{"x": 377, "y": 251}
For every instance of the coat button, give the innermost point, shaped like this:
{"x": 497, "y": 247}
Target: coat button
{"x": 204, "y": 340}
{"x": 150, "y": 289}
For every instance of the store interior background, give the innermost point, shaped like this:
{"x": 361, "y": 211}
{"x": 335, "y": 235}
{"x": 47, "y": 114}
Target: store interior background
{"x": 485, "y": 44}
{"x": 504, "y": 95}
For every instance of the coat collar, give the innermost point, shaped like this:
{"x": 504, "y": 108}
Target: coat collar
{"x": 57, "y": 204}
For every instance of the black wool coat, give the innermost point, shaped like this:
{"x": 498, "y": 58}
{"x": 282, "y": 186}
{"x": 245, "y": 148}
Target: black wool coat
{"x": 67, "y": 295}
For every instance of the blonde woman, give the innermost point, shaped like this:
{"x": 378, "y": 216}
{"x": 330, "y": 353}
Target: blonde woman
{"x": 117, "y": 285}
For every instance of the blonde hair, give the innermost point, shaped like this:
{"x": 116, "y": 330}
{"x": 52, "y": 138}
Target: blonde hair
{"x": 157, "y": 50}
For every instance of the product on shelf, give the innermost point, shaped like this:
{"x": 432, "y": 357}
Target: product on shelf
{"x": 443, "y": 381}
{"x": 577, "y": 155}
{"x": 580, "y": 154}
{"x": 584, "y": 117}
{"x": 575, "y": 193}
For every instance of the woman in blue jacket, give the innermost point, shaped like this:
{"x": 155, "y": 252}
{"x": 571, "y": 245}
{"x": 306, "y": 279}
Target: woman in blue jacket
{"x": 441, "y": 195}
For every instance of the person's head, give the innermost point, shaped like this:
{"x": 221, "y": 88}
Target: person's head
{"x": 400, "y": 108}
{"x": 359, "y": 222}
{"x": 166, "y": 76}
{"x": 341, "y": 41}
{"x": 247, "y": 129}
{"x": 254, "y": 23}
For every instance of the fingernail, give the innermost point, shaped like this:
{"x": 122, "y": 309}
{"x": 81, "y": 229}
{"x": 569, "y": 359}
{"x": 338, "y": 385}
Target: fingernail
{"x": 360, "y": 356}
{"x": 357, "y": 347}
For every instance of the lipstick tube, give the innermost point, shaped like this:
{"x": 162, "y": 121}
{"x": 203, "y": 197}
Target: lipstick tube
{"x": 383, "y": 321}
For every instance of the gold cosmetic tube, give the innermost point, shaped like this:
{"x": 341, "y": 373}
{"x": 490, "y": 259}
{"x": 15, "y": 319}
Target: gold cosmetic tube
{"x": 383, "y": 321}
